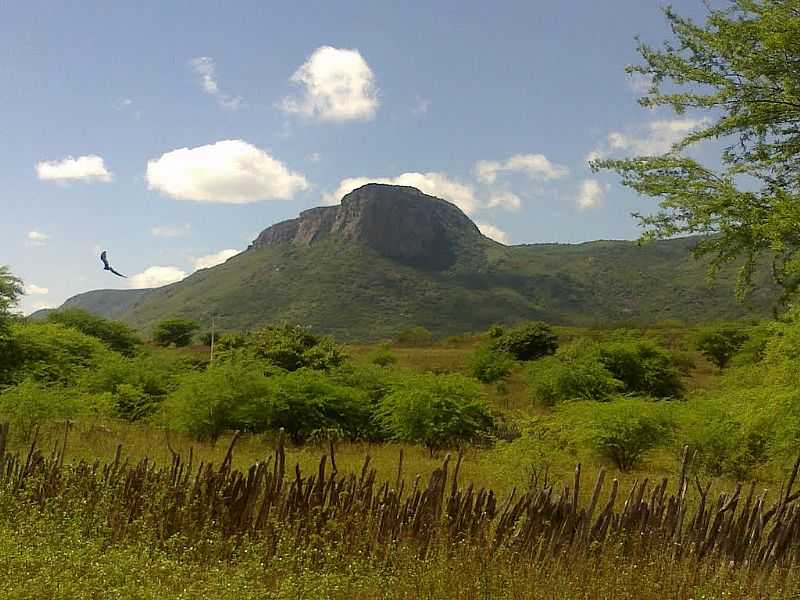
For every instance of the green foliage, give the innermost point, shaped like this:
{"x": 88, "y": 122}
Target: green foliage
{"x": 624, "y": 430}
{"x": 11, "y": 291}
{"x": 415, "y": 336}
{"x": 174, "y": 331}
{"x": 719, "y": 344}
{"x": 490, "y": 366}
{"x": 382, "y": 356}
{"x": 740, "y": 69}
{"x": 527, "y": 341}
{"x": 574, "y": 373}
{"x": 48, "y": 352}
{"x": 137, "y": 384}
{"x": 438, "y": 411}
{"x": 31, "y": 403}
{"x": 117, "y": 336}
{"x": 235, "y": 395}
{"x": 288, "y": 347}
{"x": 642, "y": 367}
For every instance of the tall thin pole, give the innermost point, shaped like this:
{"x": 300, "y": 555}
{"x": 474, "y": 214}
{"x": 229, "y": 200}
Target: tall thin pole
{"x": 212, "y": 340}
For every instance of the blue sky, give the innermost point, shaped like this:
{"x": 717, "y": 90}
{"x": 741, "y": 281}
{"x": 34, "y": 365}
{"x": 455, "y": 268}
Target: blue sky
{"x": 170, "y": 134}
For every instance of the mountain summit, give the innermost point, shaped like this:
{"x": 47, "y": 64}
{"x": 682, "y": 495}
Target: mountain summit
{"x": 390, "y": 257}
{"x": 399, "y": 222}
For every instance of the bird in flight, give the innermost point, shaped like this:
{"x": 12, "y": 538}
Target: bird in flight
{"x": 108, "y": 267}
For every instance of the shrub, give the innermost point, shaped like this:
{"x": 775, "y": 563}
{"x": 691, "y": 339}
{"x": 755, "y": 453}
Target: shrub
{"x": 415, "y": 336}
{"x": 117, "y": 336}
{"x": 48, "y": 352}
{"x": 437, "y": 411}
{"x": 527, "y": 341}
{"x": 174, "y": 331}
{"x": 382, "y": 357}
{"x": 288, "y": 347}
{"x": 624, "y": 430}
{"x": 490, "y": 366}
{"x": 719, "y": 344}
{"x": 31, "y": 403}
{"x": 642, "y": 367}
{"x": 574, "y": 373}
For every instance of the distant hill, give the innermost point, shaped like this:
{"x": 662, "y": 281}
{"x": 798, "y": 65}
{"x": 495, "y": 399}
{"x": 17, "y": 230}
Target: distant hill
{"x": 390, "y": 257}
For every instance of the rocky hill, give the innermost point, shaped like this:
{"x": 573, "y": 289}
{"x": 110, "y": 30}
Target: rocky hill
{"x": 390, "y": 257}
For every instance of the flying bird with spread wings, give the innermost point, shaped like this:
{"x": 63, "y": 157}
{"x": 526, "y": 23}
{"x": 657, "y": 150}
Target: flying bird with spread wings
{"x": 108, "y": 267}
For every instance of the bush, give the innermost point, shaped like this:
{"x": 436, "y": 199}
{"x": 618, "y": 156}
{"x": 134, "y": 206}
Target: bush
{"x": 382, "y": 357}
{"x": 643, "y": 368}
{"x": 719, "y": 344}
{"x": 415, "y": 336}
{"x": 137, "y": 385}
{"x": 574, "y": 373}
{"x": 115, "y": 335}
{"x": 490, "y": 366}
{"x": 174, "y": 331}
{"x": 30, "y": 403}
{"x": 437, "y": 411}
{"x": 624, "y": 430}
{"x": 288, "y": 347}
{"x": 528, "y": 341}
{"x": 50, "y": 353}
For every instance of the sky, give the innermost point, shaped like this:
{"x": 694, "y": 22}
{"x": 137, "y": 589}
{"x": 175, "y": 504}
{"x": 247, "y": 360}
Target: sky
{"x": 171, "y": 133}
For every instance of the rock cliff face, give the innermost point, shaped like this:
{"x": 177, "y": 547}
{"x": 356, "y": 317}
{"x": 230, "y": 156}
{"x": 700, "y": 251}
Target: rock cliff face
{"x": 399, "y": 222}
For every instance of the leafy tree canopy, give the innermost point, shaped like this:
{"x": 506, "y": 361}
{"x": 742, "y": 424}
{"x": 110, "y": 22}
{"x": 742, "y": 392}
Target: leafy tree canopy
{"x": 741, "y": 71}
{"x": 117, "y": 336}
{"x": 10, "y": 292}
{"x": 175, "y": 331}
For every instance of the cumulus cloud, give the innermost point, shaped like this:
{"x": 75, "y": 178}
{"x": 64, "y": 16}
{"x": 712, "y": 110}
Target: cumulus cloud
{"x": 433, "y": 184}
{"x": 37, "y": 238}
{"x": 493, "y": 232}
{"x": 421, "y": 106}
{"x": 590, "y": 194}
{"x": 204, "y": 67}
{"x": 168, "y": 231}
{"x": 41, "y": 306}
{"x": 229, "y": 171}
{"x": 338, "y": 86}
{"x": 34, "y": 290}
{"x": 639, "y": 83}
{"x": 156, "y": 277}
{"x": 212, "y": 260}
{"x": 656, "y": 137}
{"x": 536, "y": 166}
{"x": 506, "y": 200}
{"x": 87, "y": 168}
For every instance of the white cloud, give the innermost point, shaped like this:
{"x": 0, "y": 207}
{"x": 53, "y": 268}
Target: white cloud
{"x": 493, "y": 232}
{"x": 229, "y": 171}
{"x": 123, "y": 103}
{"x": 314, "y": 157}
{"x": 536, "y": 166}
{"x": 40, "y": 306}
{"x": 339, "y": 86}
{"x": 156, "y": 277}
{"x": 204, "y": 66}
{"x": 84, "y": 168}
{"x": 168, "y": 231}
{"x": 433, "y": 184}
{"x": 590, "y": 194}
{"x": 506, "y": 200}
{"x": 656, "y": 137}
{"x": 35, "y": 290}
{"x": 212, "y": 260}
{"x": 37, "y": 238}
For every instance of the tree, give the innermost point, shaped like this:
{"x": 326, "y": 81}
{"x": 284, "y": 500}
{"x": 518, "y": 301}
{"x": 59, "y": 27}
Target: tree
{"x": 10, "y": 292}
{"x": 527, "y": 341}
{"x": 176, "y": 331}
{"x": 740, "y": 71}
{"x": 117, "y": 336}
{"x": 719, "y": 344}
